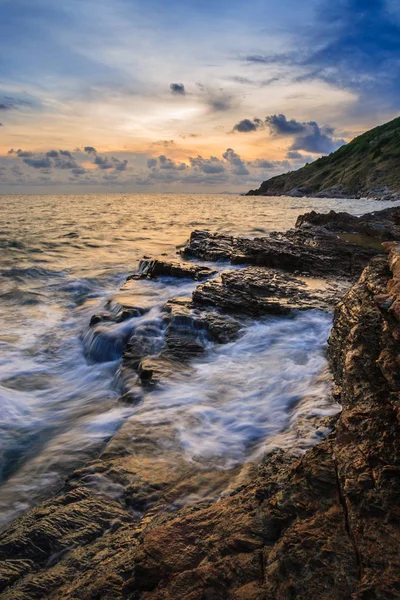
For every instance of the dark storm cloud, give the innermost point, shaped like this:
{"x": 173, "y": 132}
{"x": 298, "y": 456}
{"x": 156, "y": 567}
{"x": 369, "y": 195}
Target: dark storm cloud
{"x": 308, "y": 136}
{"x": 6, "y": 106}
{"x": 354, "y": 45}
{"x": 281, "y": 126}
{"x": 248, "y": 125}
{"x": 178, "y": 89}
{"x": 52, "y": 153}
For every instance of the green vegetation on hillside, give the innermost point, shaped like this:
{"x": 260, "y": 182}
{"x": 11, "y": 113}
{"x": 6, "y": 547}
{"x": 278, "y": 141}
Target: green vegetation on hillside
{"x": 368, "y": 163}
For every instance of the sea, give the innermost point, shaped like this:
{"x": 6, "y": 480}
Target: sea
{"x": 62, "y": 260}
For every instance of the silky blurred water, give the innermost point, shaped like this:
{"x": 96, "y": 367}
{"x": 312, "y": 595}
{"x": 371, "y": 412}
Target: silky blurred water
{"x": 62, "y": 257}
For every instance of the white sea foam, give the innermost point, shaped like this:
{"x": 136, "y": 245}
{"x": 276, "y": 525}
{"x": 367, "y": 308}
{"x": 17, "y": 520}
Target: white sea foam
{"x": 245, "y": 394}
{"x": 62, "y": 258}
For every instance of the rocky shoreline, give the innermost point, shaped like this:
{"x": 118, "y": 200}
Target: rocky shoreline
{"x": 383, "y": 194}
{"x": 323, "y": 525}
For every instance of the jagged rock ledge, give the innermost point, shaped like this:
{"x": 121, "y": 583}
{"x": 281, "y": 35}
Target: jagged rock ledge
{"x": 323, "y": 527}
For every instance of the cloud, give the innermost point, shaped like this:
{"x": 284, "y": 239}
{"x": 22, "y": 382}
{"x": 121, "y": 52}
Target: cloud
{"x": 262, "y": 163}
{"x": 308, "y": 136}
{"x": 63, "y": 160}
{"x": 281, "y": 126}
{"x": 106, "y": 163}
{"x": 247, "y": 125}
{"x": 6, "y": 106}
{"x": 24, "y": 153}
{"x": 352, "y": 45}
{"x": 239, "y": 166}
{"x": 293, "y": 154}
{"x": 39, "y": 162}
{"x": 178, "y": 89}
{"x": 200, "y": 170}
{"x": 103, "y": 162}
{"x": 164, "y": 143}
{"x": 90, "y": 150}
{"x": 220, "y": 101}
{"x": 208, "y": 165}
{"x": 358, "y": 47}
{"x": 165, "y": 164}
{"x": 78, "y": 171}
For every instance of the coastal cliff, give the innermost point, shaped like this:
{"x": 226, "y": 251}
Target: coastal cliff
{"x": 320, "y": 525}
{"x": 367, "y": 166}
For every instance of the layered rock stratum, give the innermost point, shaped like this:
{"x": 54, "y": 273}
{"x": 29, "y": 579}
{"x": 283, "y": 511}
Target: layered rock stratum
{"x": 320, "y": 526}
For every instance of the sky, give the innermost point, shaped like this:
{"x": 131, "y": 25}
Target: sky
{"x": 200, "y": 96}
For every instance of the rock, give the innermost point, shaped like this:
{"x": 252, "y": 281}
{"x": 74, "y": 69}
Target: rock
{"x": 256, "y": 291}
{"x": 130, "y": 526}
{"x": 216, "y": 327}
{"x": 311, "y": 249}
{"x": 123, "y": 315}
{"x": 151, "y": 269}
{"x": 322, "y": 527}
{"x": 158, "y": 350}
{"x": 207, "y": 246}
{"x": 383, "y": 224}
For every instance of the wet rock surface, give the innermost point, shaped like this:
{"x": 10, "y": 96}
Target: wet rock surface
{"x": 151, "y": 269}
{"x": 158, "y": 350}
{"x": 309, "y": 249}
{"x": 383, "y": 224}
{"x": 256, "y": 291}
{"x": 323, "y": 526}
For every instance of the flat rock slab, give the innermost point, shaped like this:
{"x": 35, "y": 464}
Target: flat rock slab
{"x": 151, "y": 269}
{"x": 308, "y": 249}
{"x": 256, "y": 291}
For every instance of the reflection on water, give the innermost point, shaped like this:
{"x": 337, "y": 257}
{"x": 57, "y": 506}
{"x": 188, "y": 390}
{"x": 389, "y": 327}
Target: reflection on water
{"x": 61, "y": 259}
{"x": 362, "y": 240}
